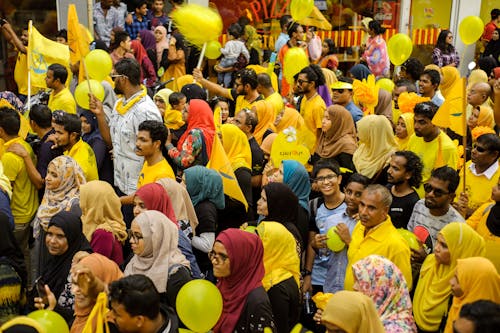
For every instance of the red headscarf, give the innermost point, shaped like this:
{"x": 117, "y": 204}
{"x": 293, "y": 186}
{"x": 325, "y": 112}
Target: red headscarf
{"x": 200, "y": 117}
{"x": 139, "y": 51}
{"x": 245, "y": 253}
{"x": 156, "y": 198}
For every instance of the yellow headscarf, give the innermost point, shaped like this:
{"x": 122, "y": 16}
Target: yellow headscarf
{"x": 479, "y": 280}
{"x": 281, "y": 260}
{"x": 408, "y": 120}
{"x": 101, "y": 209}
{"x": 265, "y": 117}
{"x": 476, "y": 76}
{"x": 376, "y": 145}
{"x": 353, "y": 312}
{"x": 486, "y": 117}
{"x": 450, "y": 77}
{"x": 433, "y": 289}
{"x": 290, "y": 117}
{"x": 236, "y": 145}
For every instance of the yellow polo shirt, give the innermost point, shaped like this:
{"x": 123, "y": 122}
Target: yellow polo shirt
{"x": 151, "y": 173}
{"x": 63, "y": 100}
{"x": 83, "y": 154}
{"x": 277, "y": 102}
{"x": 24, "y": 202}
{"x": 478, "y": 187}
{"x": 383, "y": 240}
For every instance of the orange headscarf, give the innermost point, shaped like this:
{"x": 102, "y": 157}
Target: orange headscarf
{"x": 265, "y": 117}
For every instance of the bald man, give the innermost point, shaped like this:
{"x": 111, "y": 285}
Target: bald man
{"x": 479, "y": 95}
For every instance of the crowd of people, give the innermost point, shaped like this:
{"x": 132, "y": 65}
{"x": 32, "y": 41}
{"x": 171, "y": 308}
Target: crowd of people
{"x": 121, "y": 197}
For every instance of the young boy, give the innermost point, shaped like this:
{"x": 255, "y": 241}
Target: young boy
{"x": 230, "y": 53}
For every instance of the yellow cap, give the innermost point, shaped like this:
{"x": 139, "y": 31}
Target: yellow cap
{"x": 341, "y": 85}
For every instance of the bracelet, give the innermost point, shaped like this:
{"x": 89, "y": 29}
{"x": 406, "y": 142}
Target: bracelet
{"x": 305, "y": 272}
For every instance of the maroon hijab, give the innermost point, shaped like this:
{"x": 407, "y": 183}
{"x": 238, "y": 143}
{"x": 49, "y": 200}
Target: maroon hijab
{"x": 245, "y": 253}
{"x": 156, "y": 198}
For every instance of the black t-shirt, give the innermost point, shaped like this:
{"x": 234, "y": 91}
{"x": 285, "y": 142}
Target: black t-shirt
{"x": 257, "y": 157}
{"x": 401, "y": 209}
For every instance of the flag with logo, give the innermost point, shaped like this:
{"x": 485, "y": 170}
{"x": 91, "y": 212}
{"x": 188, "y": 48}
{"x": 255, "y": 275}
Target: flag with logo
{"x": 220, "y": 163}
{"x": 78, "y": 40}
{"x": 43, "y": 52}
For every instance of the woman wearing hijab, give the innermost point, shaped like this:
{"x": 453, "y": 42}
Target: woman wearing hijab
{"x": 62, "y": 193}
{"x": 246, "y": 306}
{"x": 476, "y": 278}
{"x": 207, "y": 195}
{"x": 238, "y": 151}
{"x": 382, "y": 281}
{"x": 481, "y": 116}
{"x": 161, "y": 54}
{"x": 265, "y": 120}
{"x": 492, "y": 49}
{"x": 148, "y": 73}
{"x": 351, "y": 312}
{"x": 359, "y": 72}
{"x": 267, "y": 145}
{"x": 288, "y": 117}
{"x": 153, "y": 196}
{"x": 444, "y": 53}
{"x": 282, "y": 273}
{"x": 376, "y": 145}
{"x": 375, "y": 55}
{"x": 295, "y": 175}
{"x": 92, "y": 136}
{"x": 384, "y": 105}
{"x": 450, "y": 78}
{"x": 338, "y": 136}
{"x": 163, "y": 105}
{"x": 195, "y": 145}
{"x": 154, "y": 239}
{"x": 404, "y": 130}
{"x": 13, "y": 275}
{"x": 102, "y": 219}
{"x": 176, "y": 59}
{"x": 430, "y": 302}
{"x": 253, "y": 44}
{"x": 63, "y": 239}
{"x": 90, "y": 275}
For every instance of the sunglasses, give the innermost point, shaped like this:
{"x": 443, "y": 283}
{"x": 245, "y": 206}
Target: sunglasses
{"x": 479, "y": 149}
{"x": 300, "y": 81}
{"x": 428, "y": 188}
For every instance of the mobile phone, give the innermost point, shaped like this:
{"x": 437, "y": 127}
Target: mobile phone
{"x": 40, "y": 288}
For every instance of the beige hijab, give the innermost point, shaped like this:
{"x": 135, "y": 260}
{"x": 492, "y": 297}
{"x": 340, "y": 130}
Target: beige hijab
{"x": 341, "y": 137}
{"x": 161, "y": 238}
{"x": 101, "y": 209}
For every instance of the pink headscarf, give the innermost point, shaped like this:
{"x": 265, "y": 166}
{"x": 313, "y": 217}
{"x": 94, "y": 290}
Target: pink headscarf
{"x": 162, "y": 44}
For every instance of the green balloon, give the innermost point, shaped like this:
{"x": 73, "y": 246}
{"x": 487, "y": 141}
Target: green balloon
{"x": 334, "y": 242}
{"x": 410, "y": 238}
{"x": 50, "y": 320}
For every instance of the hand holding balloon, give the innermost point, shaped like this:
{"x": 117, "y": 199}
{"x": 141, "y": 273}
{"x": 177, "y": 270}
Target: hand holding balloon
{"x": 39, "y": 303}
{"x": 343, "y": 232}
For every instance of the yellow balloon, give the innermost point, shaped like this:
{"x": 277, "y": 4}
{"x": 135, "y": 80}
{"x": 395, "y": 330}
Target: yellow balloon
{"x": 334, "y": 242}
{"x": 213, "y": 49}
{"x": 286, "y": 147}
{"x": 410, "y": 238}
{"x": 470, "y": 29}
{"x": 300, "y": 9}
{"x": 82, "y": 92}
{"x": 199, "y": 305}
{"x": 51, "y": 321}
{"x": 295, "y": 60}
{"x": 386, "y": 84}
{"x": 198, "y": 24}
{"x": 99, "y": 64}
{"x": 399, "y": 48}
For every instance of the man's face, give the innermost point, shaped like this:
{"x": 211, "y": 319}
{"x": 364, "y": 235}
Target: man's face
{"x": 143, "y": 10}
{"x": 123, "y": 320}
{"x": 436, "y": 194}
{"x": 24, "y": 37}
{"x": 49, "y": 79}
{"x": 240, "y": 120}
{"x": 144, "y": 145}
{"x": 397, "y": 174}
{"x": 303, "y": 85}
{"x": 425, "y": 85}
{"x": 63, "y": 137}
{"x": 341, "y": 96}
{"x": 126, "y": 44}
{"x": 395, "y": 94}
{"x": 106, "y": 3}
{"x": 118, "y": 79}
{"x": 476, "y": 97}
{"x": 482, "y": 156}
{"x": 61, "y": 40}
{"x": 239, "y": 86}
{"x": 299, "y": 34}
{"x": 423, "y": 126}
{"x": 372, "y": 210}
{"x": 158, "y": 6}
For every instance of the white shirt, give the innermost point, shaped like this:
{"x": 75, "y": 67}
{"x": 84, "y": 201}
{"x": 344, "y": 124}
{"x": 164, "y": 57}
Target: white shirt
{"x": 488, "y": 173}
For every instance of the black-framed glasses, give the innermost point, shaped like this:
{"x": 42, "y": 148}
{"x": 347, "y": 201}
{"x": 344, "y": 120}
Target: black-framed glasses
{"x": 218, "y": 257}
{"x": 479, "y": 149}
{"x": 325, "y": 178}
{"x": 134, "y": 235}
{"x": 300, "y": 81}
{"x": 428, "y": 188}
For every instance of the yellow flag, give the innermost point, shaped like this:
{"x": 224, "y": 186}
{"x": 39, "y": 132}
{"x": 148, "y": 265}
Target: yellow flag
{"x": 43, "y": 52}
{"x": 316, "y": 19}
{"x": 220, "y": 163}
{"x": 452, "y": 113}
{"x": 78, "y": 40}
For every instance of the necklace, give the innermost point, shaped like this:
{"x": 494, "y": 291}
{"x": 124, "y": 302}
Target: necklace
{"x": 122, "y": 109}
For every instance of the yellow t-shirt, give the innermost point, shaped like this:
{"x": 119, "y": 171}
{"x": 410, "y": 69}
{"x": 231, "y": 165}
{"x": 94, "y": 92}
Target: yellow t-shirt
{"x": 63, "y": 100}
{"x": 150, "y": 174}
{"x": 83, "y": 154}
{"x": 384, "y": 240}
{"x": 21, "y": 73}
{"x": 313, "y": 111}
{"x": 277, "y": 102}
{"x": 478, "y": 188}
{"x": 24, "y": 202}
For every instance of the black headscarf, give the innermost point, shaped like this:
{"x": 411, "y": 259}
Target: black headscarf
{"x": 282, "y": 207}
{"x": 493, "y": 48}
{"x": 194, "y": 91}
{"x": 493, "y": 220}
{"x": 10, "y": 252}
{"x": 55, "y": 273}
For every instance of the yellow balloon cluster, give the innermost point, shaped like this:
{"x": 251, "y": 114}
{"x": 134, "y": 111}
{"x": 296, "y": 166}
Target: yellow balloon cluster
{"x": 399, "y": 48}
{"x": 300, "y": 9}
{"x": 470, "y": 29}
{"x": 197, "y": 24}
{"x": 98, "y": 64}
{"x": 295, "y": 60}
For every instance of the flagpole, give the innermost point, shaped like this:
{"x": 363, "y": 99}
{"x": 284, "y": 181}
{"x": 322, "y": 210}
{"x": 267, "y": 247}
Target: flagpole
{"x": 464, "y": 124}
{"x": 28, "y": 55}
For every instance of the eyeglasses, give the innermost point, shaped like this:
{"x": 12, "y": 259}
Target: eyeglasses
{"x": 300, "y": 81}
{"x": 134, "y": 235}
{"x": 115, "y": 76}
{"x": 428, "y": 188}
{"x": 340, "y": 91}
{"x": 219, "y": 257}
{"x": 479, "y": 149}
{"x": 325, "y": 178}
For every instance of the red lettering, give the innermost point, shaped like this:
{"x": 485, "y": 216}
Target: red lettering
{"x": 256, "y": 7}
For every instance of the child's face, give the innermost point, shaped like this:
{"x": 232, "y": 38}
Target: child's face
{"x": 224, "y": 110}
